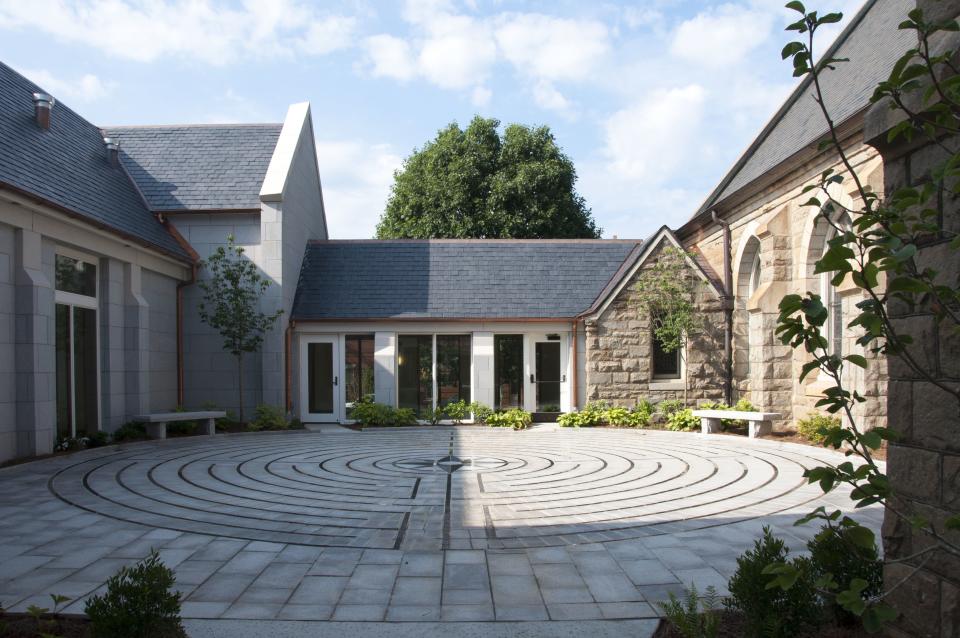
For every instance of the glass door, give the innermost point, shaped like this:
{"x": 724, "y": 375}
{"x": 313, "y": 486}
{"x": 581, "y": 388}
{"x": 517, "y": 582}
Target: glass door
{"x": 508, "y": 371}
{"x": 320, "y": 375}
{"x": 547, "y": 376}
{"x": 76, "y": 346}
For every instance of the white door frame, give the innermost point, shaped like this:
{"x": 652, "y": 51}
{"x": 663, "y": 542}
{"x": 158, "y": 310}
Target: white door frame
{"x": 337, "y": 415}
{"x": 530, "y": 363}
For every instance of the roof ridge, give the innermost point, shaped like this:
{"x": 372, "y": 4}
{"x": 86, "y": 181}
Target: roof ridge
{"x": 473, "y": 240}
{"x": 194, "y": 125}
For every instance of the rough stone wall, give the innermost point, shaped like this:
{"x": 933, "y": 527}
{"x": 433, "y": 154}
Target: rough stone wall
{"x": 618, "y": 351}
{"x": 772, "y": 220}
{"x": 924, "y": 463}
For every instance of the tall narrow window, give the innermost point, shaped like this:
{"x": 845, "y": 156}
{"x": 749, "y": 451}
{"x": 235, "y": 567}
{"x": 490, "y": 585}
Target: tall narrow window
{"x": 76, "y": 356}
{"x": 666, "y": 365}
{"x": 415, "y": 372}
{"x": 833, "y": 328}
{"x": 453, "y": 369}
{"x": 755, "y": 271}
{"x": 358, "y": 367}
{"x": 508, "y": 371}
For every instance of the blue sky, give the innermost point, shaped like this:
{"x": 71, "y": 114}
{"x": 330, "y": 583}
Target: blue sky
{"x": 653, "y": 100}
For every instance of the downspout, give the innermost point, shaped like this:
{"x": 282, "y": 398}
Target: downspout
{"x": 287, "y": 389}
{"x": 573, "y": 375}
{"x": 727, "y": 301}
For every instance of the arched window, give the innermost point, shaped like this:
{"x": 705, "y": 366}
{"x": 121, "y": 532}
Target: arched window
{"x": 823, "y": 232}
{"x": 755, "y": 274}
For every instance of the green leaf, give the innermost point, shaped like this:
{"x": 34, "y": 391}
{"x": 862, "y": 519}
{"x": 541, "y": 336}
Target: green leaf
{"x": 857, "y": 360}
{"x": 831, "y": 18}
{"x": 792, "y": 48}
{"x": 861, "y": 537}
{"x": 797, "y": 6}
{"x": 872, "y": 440}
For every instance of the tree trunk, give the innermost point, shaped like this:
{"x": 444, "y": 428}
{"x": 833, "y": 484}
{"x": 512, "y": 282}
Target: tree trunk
{"x": 240, "y": 385}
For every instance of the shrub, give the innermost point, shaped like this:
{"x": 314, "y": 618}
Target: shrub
{"x": 682, "y": 421}
{"x": 686, "y": 618}
{"x": 815, "y": 427}
{"x": 833, "y": 553}
{"x": 640, "y": 414}
{"x": 138, "y": 602}
{"x": 515, "y": 418}
{"x": 98, "y": 439}
{"x": 224, "y": 422}
{"x": 181, "y": 428}
{"x": 132, "y": 431}
{"x": 669, "y": 407}
{"x": 67, "y": 443}
{"x": 773, "y": 611}
{"x": 742, "y": 405}
{"x": 617, "y": 416}
{"x": 432, "y": 416}
{"x": 480, "y": 411}
{"x": 457, "y": 411}
{"x": 370, "y": 414}
{"x": 268, "y": 417}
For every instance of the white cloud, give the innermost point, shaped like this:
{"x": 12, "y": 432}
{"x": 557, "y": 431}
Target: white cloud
{"x": 548, "y": 97}
{"x": 84, "y": 89}
{"x": 481, "y": 96}
{"x": 356, "y": 180}
{"x": 721, "y": 36}
{"x": 649, "y": 139}
{"x": 457, "y": 52}
{"x": 390, "y": 57}
{"x": 552, "y": 48}
{"x": 202, "y": 30}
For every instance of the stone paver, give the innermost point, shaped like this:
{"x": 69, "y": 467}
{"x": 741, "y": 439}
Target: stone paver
{"x": 545, "y": 525}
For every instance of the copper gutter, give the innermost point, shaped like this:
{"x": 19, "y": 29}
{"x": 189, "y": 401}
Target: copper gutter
{"x": 194, "y": 268}
{"x": 727, "y": 301}
{"x": 437, "y": 320}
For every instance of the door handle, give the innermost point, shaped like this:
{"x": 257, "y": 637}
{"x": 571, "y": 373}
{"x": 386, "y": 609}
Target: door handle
{"x": 532, "y": 380}
{"x": 564, "y": 378}
{"x": 336, "y": 381}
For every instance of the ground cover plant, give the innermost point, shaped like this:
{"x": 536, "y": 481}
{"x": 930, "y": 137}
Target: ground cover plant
{"x": 515, "y": 418}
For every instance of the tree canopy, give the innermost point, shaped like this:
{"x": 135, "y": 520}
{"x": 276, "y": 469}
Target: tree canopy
{"x": 475, "y": 183}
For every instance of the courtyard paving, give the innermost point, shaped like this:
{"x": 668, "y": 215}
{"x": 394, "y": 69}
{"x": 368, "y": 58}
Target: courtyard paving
{"x": 421, "y": 524}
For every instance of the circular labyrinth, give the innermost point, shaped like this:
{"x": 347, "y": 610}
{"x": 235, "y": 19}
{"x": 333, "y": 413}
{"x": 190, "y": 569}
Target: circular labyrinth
{"x": 432, "y": 488}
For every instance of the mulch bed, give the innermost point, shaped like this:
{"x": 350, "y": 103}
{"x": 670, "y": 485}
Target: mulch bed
{"x": 732, "y": 625}
{"x": 25, "y": 626}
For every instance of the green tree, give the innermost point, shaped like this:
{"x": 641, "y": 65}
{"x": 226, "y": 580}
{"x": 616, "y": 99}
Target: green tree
{"x": 231, "y": 304}
{"x": 475, "y": 183}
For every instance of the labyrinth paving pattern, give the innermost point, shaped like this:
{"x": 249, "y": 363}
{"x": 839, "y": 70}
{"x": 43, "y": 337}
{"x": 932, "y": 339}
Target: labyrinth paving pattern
{"x": 414, "y": 524}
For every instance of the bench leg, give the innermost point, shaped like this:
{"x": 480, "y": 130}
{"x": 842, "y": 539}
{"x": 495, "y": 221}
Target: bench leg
{"x": 760, "y": 428}
{"x": 211, "y": 427}
{"x": 157, "y": 430}
{"x": 709, "y": 425}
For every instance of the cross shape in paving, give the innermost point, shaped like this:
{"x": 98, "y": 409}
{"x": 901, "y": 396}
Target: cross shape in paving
{"x": 451, "y": 463}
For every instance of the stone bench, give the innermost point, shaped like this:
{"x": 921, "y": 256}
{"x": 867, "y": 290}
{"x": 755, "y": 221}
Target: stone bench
{"x": 156, "y": 424}
{"x": 759, "y": 422}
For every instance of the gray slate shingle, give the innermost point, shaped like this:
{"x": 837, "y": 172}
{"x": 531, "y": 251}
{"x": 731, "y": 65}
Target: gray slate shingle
{"x": 482, "y": 279}
{"x": 873, "y": 46}
{"x": 198, "y": 167}
{"x": 68, "y": 165}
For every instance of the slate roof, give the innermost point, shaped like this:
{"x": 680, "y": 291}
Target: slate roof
{"x": 873, "y": 43}
{"x": 198, "y": 167}
{"x": 67, "y": 166}
{"x": 462, "y": 279}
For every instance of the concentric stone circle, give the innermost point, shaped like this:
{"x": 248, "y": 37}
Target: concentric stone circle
{"x": 437, "y": 488}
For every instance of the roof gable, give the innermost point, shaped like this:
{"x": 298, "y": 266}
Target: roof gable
{"x": 638, "y": 258}
{"x": 67, "y": 167}
{"x": 198, "y": 167}
{"x": 454, "y": 279}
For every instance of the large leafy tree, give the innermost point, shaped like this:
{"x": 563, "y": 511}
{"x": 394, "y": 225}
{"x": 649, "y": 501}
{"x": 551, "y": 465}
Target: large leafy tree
{"x": 474, "y": 182}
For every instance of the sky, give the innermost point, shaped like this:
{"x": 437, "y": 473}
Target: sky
{"x": 653, "y": 100}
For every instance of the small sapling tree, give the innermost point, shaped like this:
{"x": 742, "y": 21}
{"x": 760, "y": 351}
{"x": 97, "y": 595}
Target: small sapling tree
{"x": 231, "y": 304}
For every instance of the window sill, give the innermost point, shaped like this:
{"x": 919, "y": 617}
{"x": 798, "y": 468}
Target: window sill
{"x": 666, "y": 384}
